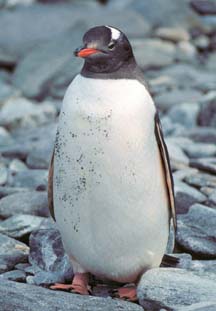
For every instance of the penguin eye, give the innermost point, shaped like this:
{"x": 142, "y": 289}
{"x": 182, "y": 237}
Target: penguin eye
{"x": 111, "y": 45}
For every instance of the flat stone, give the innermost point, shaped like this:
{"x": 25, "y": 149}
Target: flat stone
{"x": 199, "y": 180}
{"x": 28, "y": 114}
{"x": 12, "y": 252}
{"x": 14, "y": 275}
{"x": 15, "y": 296}
{"x": 173, "y": 34}
{"x": 204, "y": 7}
{"x": 172, "y": 289}
{"x": 185, "y": 114}
{"x": 211, "y": 62}
{"x": 186, "y": 52}
{"x": 202, "y": 306}
{"x": 196, "y": 231}
{"x": 202, "y": 134}
{"x": 20, "y": 226}
{"x": 6, "y": 91}
{"x": 32, "y": 179}
{"x": 207, "y": 115}
{"x": 167, "y": 100}
{"x": 30, "y": 203}
{"x": 48, "y": 258}
{"x": 17, "y": 165}
{"x": 205, "y": 164}
{"x": 5, "y": 137}
{"x": 186, "y": 196}
{"x": 212, "y": 197}
{"x": 184, "y": 173}
{"x": 5, "y": 190}
{"x": 3, "y": 174}
{"x": 177, "y": 157}
{"x": 26, "y": 141}
{"x": 39, "y": 158}
{"x": 206, "y": 268}
{"x": 153, "y": 53}
{"x": 200, "y": 150}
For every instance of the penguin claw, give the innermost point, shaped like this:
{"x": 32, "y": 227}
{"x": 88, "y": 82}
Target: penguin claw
{"x": 125, "y": 293}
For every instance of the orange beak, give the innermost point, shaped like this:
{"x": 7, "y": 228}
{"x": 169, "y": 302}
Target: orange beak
{"x": 85, "y": 52}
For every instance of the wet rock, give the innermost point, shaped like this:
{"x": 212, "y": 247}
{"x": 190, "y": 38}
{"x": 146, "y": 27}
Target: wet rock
{"x": 33, "y": 179}
{"x": 186, "y": 196}
{"x": 20, "y": 226}
{"x": 48, "y": 257}
{"x": 14, "y": 296}
{"x": 27, "y": 115}
{"x": 204, "y": 7}
{"x": 172, "y": 34}
{"x": 11, "y": 253}
{"x": 173, "y": 288}
{"x": 30, "y": 203}
{"x": 14, "y": 275}
{"x": 153, "y": 53}
{"x": 196, "y": 231}
{"x": 205, "y": 164}
{"x": 185, "y": 113}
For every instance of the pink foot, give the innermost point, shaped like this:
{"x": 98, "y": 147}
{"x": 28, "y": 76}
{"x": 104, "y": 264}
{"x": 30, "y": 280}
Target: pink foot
{"x": 126, "y": 293}
{"x": 78, "y": 286}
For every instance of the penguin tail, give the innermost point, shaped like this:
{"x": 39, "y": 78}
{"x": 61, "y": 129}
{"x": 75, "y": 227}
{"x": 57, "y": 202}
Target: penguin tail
{"x": 170, "y": 261}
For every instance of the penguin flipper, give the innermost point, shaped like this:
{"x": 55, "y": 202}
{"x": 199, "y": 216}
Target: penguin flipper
{"x": 167, "y": 169}
{"x": 50, "y": 187}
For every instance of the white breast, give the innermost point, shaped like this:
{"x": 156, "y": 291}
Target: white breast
{"x": 109, "y": 194}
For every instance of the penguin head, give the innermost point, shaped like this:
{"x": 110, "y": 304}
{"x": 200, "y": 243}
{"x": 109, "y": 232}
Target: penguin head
{"x": 105, "y": 49}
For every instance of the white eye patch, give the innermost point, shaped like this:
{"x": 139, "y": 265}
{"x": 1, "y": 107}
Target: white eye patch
{"x": 115, "y": 33}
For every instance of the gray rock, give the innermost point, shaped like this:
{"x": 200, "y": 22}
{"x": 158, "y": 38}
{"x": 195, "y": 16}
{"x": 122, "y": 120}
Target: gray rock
{"x": 202, "y": 306}
{"x": 4, "y": 190}
{"x": 3, "y": 174}
{"x": 14, "y": 275}
{"x": 200, "y": 150}
{"x": 184, "y": 173}
{"x": 212, "y": 197}
{"x": 11, "y": 253}
{"x": 28, "y": 114}
{"x": 26, "y": 141}
{"x": 167, "y": 100}
{"x": 39, "y": 158}
{"x": 48, "y": 257}
{"x": 172, "y": 34}
{"x": 153, "y": 53}
{"x": 5, "y": 137}
{"x": 18, "y": 296}
{"x": 6, "y": 91}
{"x": 196, "y": 231}
{"x": 202, "y": 134}
{"x": 205, "y": 164}
{"x": 207, "y": 115}
{"x": 206, "y": 268}
{"x": 173, "y": 288}
{"x": 211, "y": 63}
{"x": 185, "y": 114}
{"x": 186, "y": 196}
{"x": 199, "y": 180}
{"x": 204, "y": 7}
{"x": 186, "y": 52}
{"x": 30, "y": 203}
{"x": 32, "y": 179}
{"x": 7, "y": 59}
{"x": 17, "y": 165}
{"x": 20, "y": 226}
{"x": 22, "y": 266}
{"x": 178, "y": 158}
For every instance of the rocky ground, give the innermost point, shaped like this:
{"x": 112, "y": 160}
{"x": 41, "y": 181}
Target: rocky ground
{"x": 174, "y": 43}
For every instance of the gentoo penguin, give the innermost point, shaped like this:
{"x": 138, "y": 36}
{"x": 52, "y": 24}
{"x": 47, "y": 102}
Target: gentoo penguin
{"x": 110, "y": 184}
